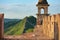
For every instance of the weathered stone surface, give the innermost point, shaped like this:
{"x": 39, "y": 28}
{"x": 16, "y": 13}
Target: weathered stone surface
{"x": 1, "y": 25}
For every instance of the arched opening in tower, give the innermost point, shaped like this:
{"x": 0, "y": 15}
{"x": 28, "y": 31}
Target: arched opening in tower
{"x": 42, "y": 11}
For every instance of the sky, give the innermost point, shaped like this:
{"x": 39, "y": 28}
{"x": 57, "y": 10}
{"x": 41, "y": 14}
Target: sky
{"x": 19, "y": 9}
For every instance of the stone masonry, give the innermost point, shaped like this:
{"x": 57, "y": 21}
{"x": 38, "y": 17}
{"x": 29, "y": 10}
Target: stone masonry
{"x": 1, "y": 25}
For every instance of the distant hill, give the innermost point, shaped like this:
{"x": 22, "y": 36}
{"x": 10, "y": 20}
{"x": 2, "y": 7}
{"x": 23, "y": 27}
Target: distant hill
{"x": 17, "y": 27}
{"x": 9, "y": 22}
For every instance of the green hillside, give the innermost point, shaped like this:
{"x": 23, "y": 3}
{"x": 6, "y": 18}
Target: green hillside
{"x": 25, "y": 25}
{"x": 10, "y": 22}
{"x": 30, "y": 23}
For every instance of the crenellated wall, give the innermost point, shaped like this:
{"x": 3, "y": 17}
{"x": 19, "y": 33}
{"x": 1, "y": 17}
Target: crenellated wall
{"x": 48, "y": 26}
{"x": 51, "y": 26}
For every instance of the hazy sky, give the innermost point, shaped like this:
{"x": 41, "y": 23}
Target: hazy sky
{"x": 21, "y": 8}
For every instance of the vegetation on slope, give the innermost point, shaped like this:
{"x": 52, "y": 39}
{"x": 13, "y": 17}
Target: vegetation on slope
{"x": 22, "y": 26}
{"x": 10, "y": 22}
{"x": 16, "y": 29}
{"x": 30, "y": 23}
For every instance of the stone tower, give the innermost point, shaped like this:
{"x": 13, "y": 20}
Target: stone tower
{"x": 42, "y": 4}
{"x": 1, "y": 26}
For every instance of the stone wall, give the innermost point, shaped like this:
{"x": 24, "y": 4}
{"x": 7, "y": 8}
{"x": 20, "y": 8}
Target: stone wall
{"x": 48, "y": 26}
{"x": 45, "y": 29}
{"x": 51, "y": 32}
{"x": 51, "y": 25}
{"x": 59, "y": 26}
{"x": 1, "y": 25}
{"x": 58, "y": 21}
